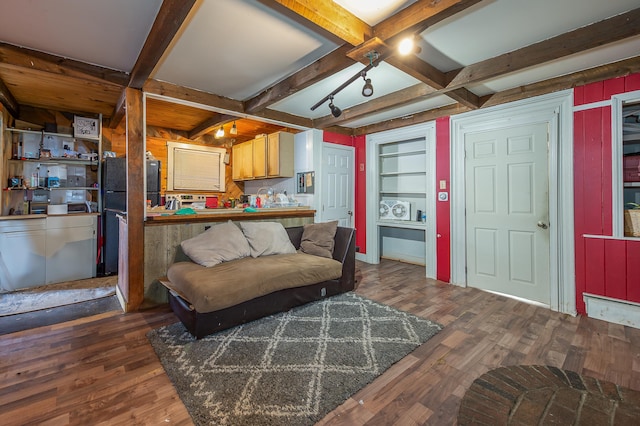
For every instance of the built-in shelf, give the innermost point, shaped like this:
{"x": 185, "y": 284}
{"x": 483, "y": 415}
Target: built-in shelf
{"x": 403, "y": 153}
{"x": 632, "y": 184}
{"x": 403, "y": 194}
{"x": 407, "y": 173}
{"x": 407, "y": 224}
{"x": 57, "y": 160}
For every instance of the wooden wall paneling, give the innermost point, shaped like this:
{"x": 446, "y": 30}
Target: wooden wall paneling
{"x": 612, "y": 87}
{"x": 579, "y": 204}
{"x": 606, "y": 181}
{"x": 615, "y": 269}
{"x": 633, "y": 270}
{"x": 594, "y": 268}
{"x": 135, "y": 198}
{"x": 443, "y": 208}
{"x": 592, "y": 172}
{"x": 632, "y": 82}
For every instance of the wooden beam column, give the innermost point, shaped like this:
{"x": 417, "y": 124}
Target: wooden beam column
{"x": 134, "y": 255}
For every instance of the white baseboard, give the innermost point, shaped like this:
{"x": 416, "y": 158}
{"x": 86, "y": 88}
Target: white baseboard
{"x": 612, "y": 310}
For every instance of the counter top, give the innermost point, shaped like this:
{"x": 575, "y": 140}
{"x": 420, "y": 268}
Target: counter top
{"x": 160, "y": 215}
{"x": 43, "y": 216}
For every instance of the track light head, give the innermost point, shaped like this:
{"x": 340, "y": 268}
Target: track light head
{"x": 234, "y": 129}
{"x": 367, "y": 90}
{"x": 335, "y": 111}
{"x": 220, "y": 132}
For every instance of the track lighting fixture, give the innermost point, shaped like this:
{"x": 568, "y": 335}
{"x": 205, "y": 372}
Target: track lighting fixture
{"x": 220, "y": 132}
{"x": 406, "y": 46}
{"x": 335, "y": 111}
{"x": 234, "y": 129}
{"x": 367, "y": 90}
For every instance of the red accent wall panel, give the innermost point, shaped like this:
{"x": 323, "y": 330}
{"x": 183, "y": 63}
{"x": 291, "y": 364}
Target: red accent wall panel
{"x": 633, "y": 271}
{"x": 607, "y": 182}
{"x": 579, "y": 197}
{"x": 360, "y": 184}
{"x": 615, "y": 269}
{"x": 594, "y": 92}
{"x": 594, "y": 249}
{"x": 443, "y": 209}
{"x": 613, "y": 87}
{"x": 360, "y": 143}
{"x": 632, "y": 83}
{"x": 592, "y": 179}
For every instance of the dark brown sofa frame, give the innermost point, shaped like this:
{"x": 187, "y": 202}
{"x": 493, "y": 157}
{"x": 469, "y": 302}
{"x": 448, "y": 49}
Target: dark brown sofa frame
{"x": 202, "y": 324}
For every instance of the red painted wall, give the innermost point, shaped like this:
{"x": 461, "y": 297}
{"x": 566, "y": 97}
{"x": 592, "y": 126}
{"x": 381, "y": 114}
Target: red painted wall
{"x": 360, "y": 184}
{"x": 606, "y": 267}
{"x": 443, "y": 210}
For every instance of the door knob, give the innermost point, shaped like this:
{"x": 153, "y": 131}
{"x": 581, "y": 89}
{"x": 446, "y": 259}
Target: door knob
{"x": 350, "y": 213}
{"x": 542, "y": 225}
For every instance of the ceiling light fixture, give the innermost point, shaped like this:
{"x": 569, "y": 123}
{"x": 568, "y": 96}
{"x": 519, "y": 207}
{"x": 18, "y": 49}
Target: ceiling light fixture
{"x": 220, "y": 132}
{"x": 374, "y": 60}
{"x": 406, "y": 46}
{"x": 367, "y": 89}
{"x": 234, "y": 129}
{"x": 335, "y": 111}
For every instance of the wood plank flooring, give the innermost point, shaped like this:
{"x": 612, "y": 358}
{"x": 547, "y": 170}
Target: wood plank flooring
{"x": 102, "y": 370}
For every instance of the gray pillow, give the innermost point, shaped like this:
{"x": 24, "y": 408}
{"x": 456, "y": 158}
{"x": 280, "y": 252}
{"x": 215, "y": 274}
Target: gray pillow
{"x": 267, "y": 238}
{"x": 220, "y": 243}
{"x": 318, "y": 238}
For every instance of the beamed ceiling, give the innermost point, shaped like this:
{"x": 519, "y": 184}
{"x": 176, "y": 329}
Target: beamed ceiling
{"x": 263, "y": 64}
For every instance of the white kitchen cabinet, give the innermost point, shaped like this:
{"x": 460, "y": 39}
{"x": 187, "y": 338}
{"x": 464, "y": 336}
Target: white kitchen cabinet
{"x": 71, "y": 247}
{"x": 22, "y": 253}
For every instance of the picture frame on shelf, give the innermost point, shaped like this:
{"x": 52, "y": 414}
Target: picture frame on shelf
{"x": 85, "y": 127}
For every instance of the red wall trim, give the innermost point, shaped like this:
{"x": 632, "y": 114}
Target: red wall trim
{"x": 443, "y": 208}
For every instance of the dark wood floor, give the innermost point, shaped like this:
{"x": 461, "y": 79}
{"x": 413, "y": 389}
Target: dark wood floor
{"x": 102, "y": 370}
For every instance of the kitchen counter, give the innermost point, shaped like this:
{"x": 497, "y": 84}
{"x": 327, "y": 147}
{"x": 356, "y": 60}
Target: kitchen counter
{"x": 157, "y": 215}
{"x": 43, "y": 216}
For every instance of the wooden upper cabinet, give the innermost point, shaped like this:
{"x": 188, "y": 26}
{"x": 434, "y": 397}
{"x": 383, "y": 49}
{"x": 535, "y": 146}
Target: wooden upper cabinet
{"x": 280, "y": 153}
{"x": 264, "y": 157}
{"x": 260, "y": 157}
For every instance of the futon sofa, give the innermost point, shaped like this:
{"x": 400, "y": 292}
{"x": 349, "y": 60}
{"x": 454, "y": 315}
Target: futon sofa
{"x": 284, "y": 268}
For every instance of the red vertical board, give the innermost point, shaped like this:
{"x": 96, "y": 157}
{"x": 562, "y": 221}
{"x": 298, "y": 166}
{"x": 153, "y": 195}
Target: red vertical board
{"x": 579, "y": 201}
{"x": 594, "y": 250}
{"x": 632, "y": 82}
{"x": 613, "y": 86}
{"x": 633, "y": 271}
{"x": 578, "y": 95}
{"x": 443, "y": 208}
{"x": 615, "y": 269}
{"x": 592, "y": 176}
{"x": 606, "y": 178}
{"x": 359, "y": 142}
{"x": 594, "y": 92}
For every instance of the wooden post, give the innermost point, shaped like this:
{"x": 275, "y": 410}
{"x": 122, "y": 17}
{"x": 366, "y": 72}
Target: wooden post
{"x": 134, "y": 256}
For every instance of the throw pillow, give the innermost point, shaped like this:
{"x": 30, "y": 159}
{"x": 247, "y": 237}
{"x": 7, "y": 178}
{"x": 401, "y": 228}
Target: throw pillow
{"x": 318, "y": 238}
{"x": 266, "y": 238}
{"x": 220, "y": 243}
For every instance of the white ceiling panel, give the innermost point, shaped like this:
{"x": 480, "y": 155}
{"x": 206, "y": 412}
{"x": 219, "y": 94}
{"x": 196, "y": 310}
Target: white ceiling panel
{"x": 491, "y": 28}
{"x": 374, "y": 11}
{"x": 236, "y": 48}
{"x": 107, "y": 33}
{"x": 603, "y": 55}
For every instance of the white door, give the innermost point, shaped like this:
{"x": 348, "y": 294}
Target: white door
{"x": 337, "y": 185}
{"x": 507, "y": 211}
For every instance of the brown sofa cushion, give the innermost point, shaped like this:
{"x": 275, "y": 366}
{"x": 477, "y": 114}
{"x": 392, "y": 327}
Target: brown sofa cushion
{"x": 221, "y": 243}
{"x": 230, "y": 283}
{"x": 318, "y": 238}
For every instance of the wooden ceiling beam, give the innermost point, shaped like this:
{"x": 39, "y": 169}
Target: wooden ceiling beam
{"x": 119, "y": 110}
{"x": 9, "y": 102}
{"x": 210, "y": 124}
{"x": 33, "y": 59}
{"x": 317, "y": 71}
{"x": 332, "y": 17}
{"x": 412, "y": 119}
{"x": 418, "y": 16}
{"x": 191, "y": 95}
{"x": 412, "y": 94}
{"x": 168, "y": 21}
{"x": 591, "y": 36}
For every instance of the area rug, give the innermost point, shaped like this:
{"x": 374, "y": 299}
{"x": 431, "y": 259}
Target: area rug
{"x": 53, "y": 295}
{"x": 542, "y": 395}
{"x": 291, "y": 368}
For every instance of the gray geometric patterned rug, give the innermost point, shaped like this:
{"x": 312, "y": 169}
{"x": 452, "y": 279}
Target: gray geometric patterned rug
{"x": 290, "y": 368}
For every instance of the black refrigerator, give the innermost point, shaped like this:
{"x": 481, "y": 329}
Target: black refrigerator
{"x": 114, "y": 201}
